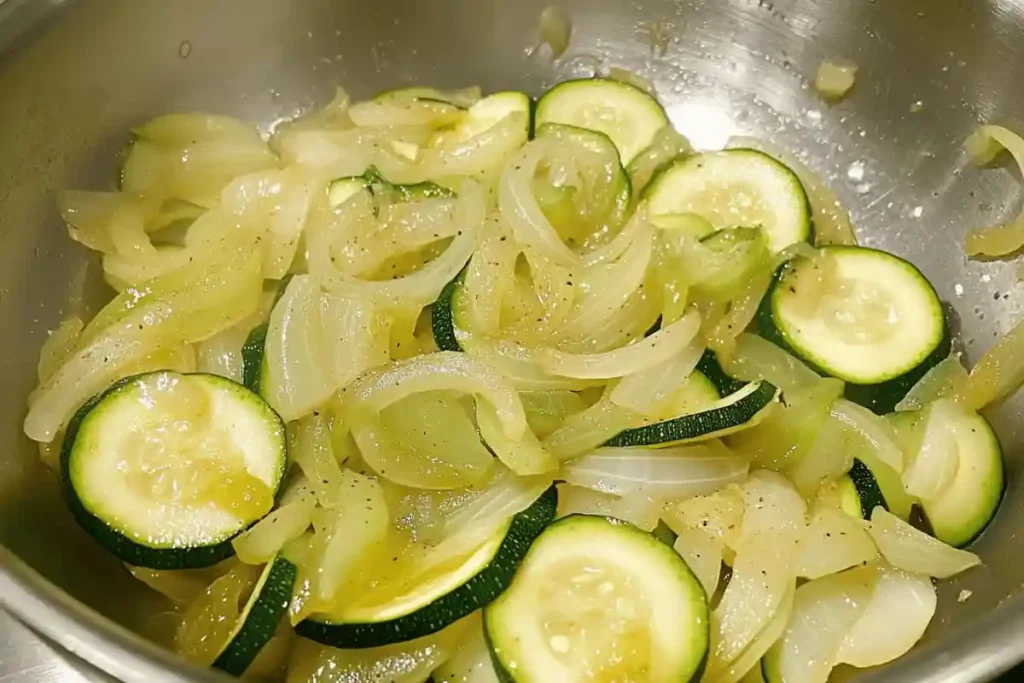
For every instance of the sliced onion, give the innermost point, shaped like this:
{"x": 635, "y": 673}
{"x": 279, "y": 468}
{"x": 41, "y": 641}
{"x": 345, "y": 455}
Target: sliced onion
{"x": 835, "y": 78}
{"x": 756, "y": 358}
{"x": 772, "y": 505}
{"x": 355, "y": 333}
{"x": 507, "y": 496}
{"x": 640, "y": 511}
{"x": 58, "y": 347}
{"x": 411, "y": 112}
{"x": 208, "y": 620}
{"x": 555, "y": 30}
{"x": 741, "y": 310}
{"x": 296, "y": 352}
{"x": 261, "y": 542}
{"x": 894, "y": 619}
{"x": 658, "y": 348}
{"x": 524, "y": 456}
{"x": 489, "y": 279}
{"x": 831, "y": 220}
{"x": 833, "y": 541}
{"x": 546, "y": 411}
{"x": 914, "y": 551}
{"x": 667, "y": 144}
{"x": 612, "y": 251}
{"x": 747, "y": 665}
{"x": 180, "y": 585}
{"x": 948, "y": 379}
{"x": 589, "y": 429}
{"x": 660, "y": 474}
{"x": 518, "y": 364}
{"x": 480, "y": 156}
{"x": 829, "y": 456}
{"x": 702, "y": 553}
{"x": 998, "y": 373}
{"x": 719, "y": 514}
{"x": 937, "y": 459}
{"x": 190, "y": 128}
{"x": 311, "y": 448}
{"x": 521, "y": 211}
{"x": 983, "y": 145}
{"x": 341, "y": 153}
{"x": 872, "y": 428}
{"x": 646, "y": 392}
{"x": 824, "y": 611}
{"x": 333, "y": 116}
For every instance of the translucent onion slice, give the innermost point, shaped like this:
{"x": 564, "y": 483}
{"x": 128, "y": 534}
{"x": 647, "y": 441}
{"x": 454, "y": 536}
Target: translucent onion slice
{"x": 261, "y": 542}
{"x": 894, "y": 619}
{"x": 740, "y": 310}
{"x": 747, "y": 664}
{"x": 355, "y": 331}
{"x": 756, "y": 358}
{"x": 311, "y": 448}
{"x": 444, "y": 371}
{"x": 507, "y": 495}
{"x": 647, "y": 353}
{"x": 634, "y": 229}
{"x": 555, "y": 30}
{"x": 948, "y": 379}
{"x": 58, "y": 347}
{"x": 833, "y": 541}
{"x": 340, "y": 152}
{"x": 667, "y": 144}
{"x": 481, "y": 156}
{"x": 835, "y": 78}
{"x": 645, "y": 392}
{"x": 589, "y": 429}
{"x": 914, "y": 551}
{"x": 546, "y": 411}
{"x": 517, "y": 363}
{"x": 409, "y": 112}
{"x": 659, "y": 474}
{"x": 702, "y": 553}
{"x": 719, "y": 514}
{"x": 831, "y": 220}
{"x": 998, "y": 373}
{"x": 180, "y": 585}
{"x": 824, "y": 611}
{"x": 488, "y": 279}
{"x": 936, "y": 461}
{"x": 520, "y": 209}
{"x": 524, "y": 456}
{"x": 640, "y": 511}
{"x": 772, "y": 504}
{"x": 872, "y": 428}
{"x": 209, "y": 619}
{"x": 983, "y": 145}
{"x": 829, "y": 456}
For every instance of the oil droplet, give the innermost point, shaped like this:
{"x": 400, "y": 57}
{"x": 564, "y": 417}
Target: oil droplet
{"x": 184, "y": 49}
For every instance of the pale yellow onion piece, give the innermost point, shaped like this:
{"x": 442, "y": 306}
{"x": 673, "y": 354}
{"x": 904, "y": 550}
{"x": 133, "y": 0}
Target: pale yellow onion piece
{"x": 163, "y": 318}
{"x": 555, "y": 30}
{"x": 835, "y": 78}
{"x": 612, "y": 251}
{"x": 659, "y": 474}
{"x": 934, "y": 465}
{"x": 741, "y": 311}
{"x": 894, "y": 619}
{"x": 999, "y": 373}
{"x": 668, "y": 144}
{"x": 355, "y": 331}
{"x": 517, "y": 363}
{"x": 520, "y": 210}
{"x": 339, "y": 153}
{"x": 546, "y": 411}
{"x": 309, "y": 445}
{"x": 447, "y": 370}
{"x": 211, "y": 617}
{"x": 554, "y": 295}
{"x": 829, "y": 456}
{"x": 589, "y": 429}
{"x": 88, "y": 215}
{"x": 332, "y": 116}
{"x": 482, "y": 155}
{"x": 637, "y": 510}
{"x": 702, "y": 553}
{"x": 651, "y": 351}
{"x": 471, "y": 661}
{"x": 772, "y": 504}
{"x": 221, "y": 354}
{"x": 646, "y": 391}
{"x": 261, "y": 542}
{"x": 824, "y": 611}
{"x": 524, "y": 456}
{"x": 914, "y": 551}
{"x": 831, "y": 220}
{"x": 756, "y": 358}
{"x": 190, "y": 128}
{"x": 508, "y": 495}
{"x": 983, "y": 145}
{"x": 719, "y": 514}
{"x": 626, "y": 325}
{"x": 872, "y": 428}
{"x": 423, "y": 286}
{"x": 488, "y": 280}
{"x": 276, "y": 203}
{"x": 406, "y": 662}
{"x": 605, "y": 288}
{"x": 412, "y": 112}
{"x": 359, "y": 523}
{"x": 297, "y": 356}
{"x": 948, "y": 379}
{"x": 180, "y": 585}
{"x": 460, "y": 97}
{"x": 747, "y": 665}
{"x": 833, "y": 541}
{"x": 58, "y": 347}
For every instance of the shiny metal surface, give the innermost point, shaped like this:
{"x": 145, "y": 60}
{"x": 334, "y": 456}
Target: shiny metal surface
{"x": 75, "y": 76}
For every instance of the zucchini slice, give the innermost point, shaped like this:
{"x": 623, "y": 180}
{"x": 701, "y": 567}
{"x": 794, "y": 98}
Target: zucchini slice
{"x": 866, "y": 493}
{"x": 485, "y": 114}
{"x": 709, "y": 366}
{"x": 442, "y": 315}
{"x": 879, "y": 320}
{"x": 343, "y": 189}
{"x": 734, "y": 188}
{"x": 252, "y": 358}
{"x": 464, "y": 589}
{"x": 965, "y": 509}
{"x": 599, "y": 599}
{"x": 164, "y": 469}
{"x": 625, "y": 113}
{"x": 260, "y": 617}
{"x": 734, "y": 413}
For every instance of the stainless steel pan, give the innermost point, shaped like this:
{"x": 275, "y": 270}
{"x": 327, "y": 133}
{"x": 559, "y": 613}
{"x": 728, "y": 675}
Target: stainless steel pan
{"x": 75, "y": 75}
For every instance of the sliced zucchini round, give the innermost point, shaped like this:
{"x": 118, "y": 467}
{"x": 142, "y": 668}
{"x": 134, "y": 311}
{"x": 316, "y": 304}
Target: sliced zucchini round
{"x": 598, "y": 599}
{"x": 461, "y": 591}
{"x": 164, "y": 469}
{"x": 259, "y": 618}
{"x": 485, "y": 114}
{"x": 341, "y": 190}
{"x": 709, "y": 366}
{"x": 625, "y": 113}
{"x": 734, "y": 413}
{"x": 879, "y": 320}
{"x": 734, "y": 188}
{"x": 252, "y": 358}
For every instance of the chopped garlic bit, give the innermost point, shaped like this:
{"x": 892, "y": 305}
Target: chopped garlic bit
{"x": 835, "y": 78}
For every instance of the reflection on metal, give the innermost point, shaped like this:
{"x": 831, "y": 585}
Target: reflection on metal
{"x": 70, "y": 93}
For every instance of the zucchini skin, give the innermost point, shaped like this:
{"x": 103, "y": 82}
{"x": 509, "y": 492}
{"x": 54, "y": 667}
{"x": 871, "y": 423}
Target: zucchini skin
{"x": 252, "y": 358}
{"x": 442, "y": 317}
{"x": 261, "y": 621}
{"x": 486, "y": 585}
{"x": 881, "y": 398}
{"x": 867, "y": 489}
{"x": 114, "y": 542}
